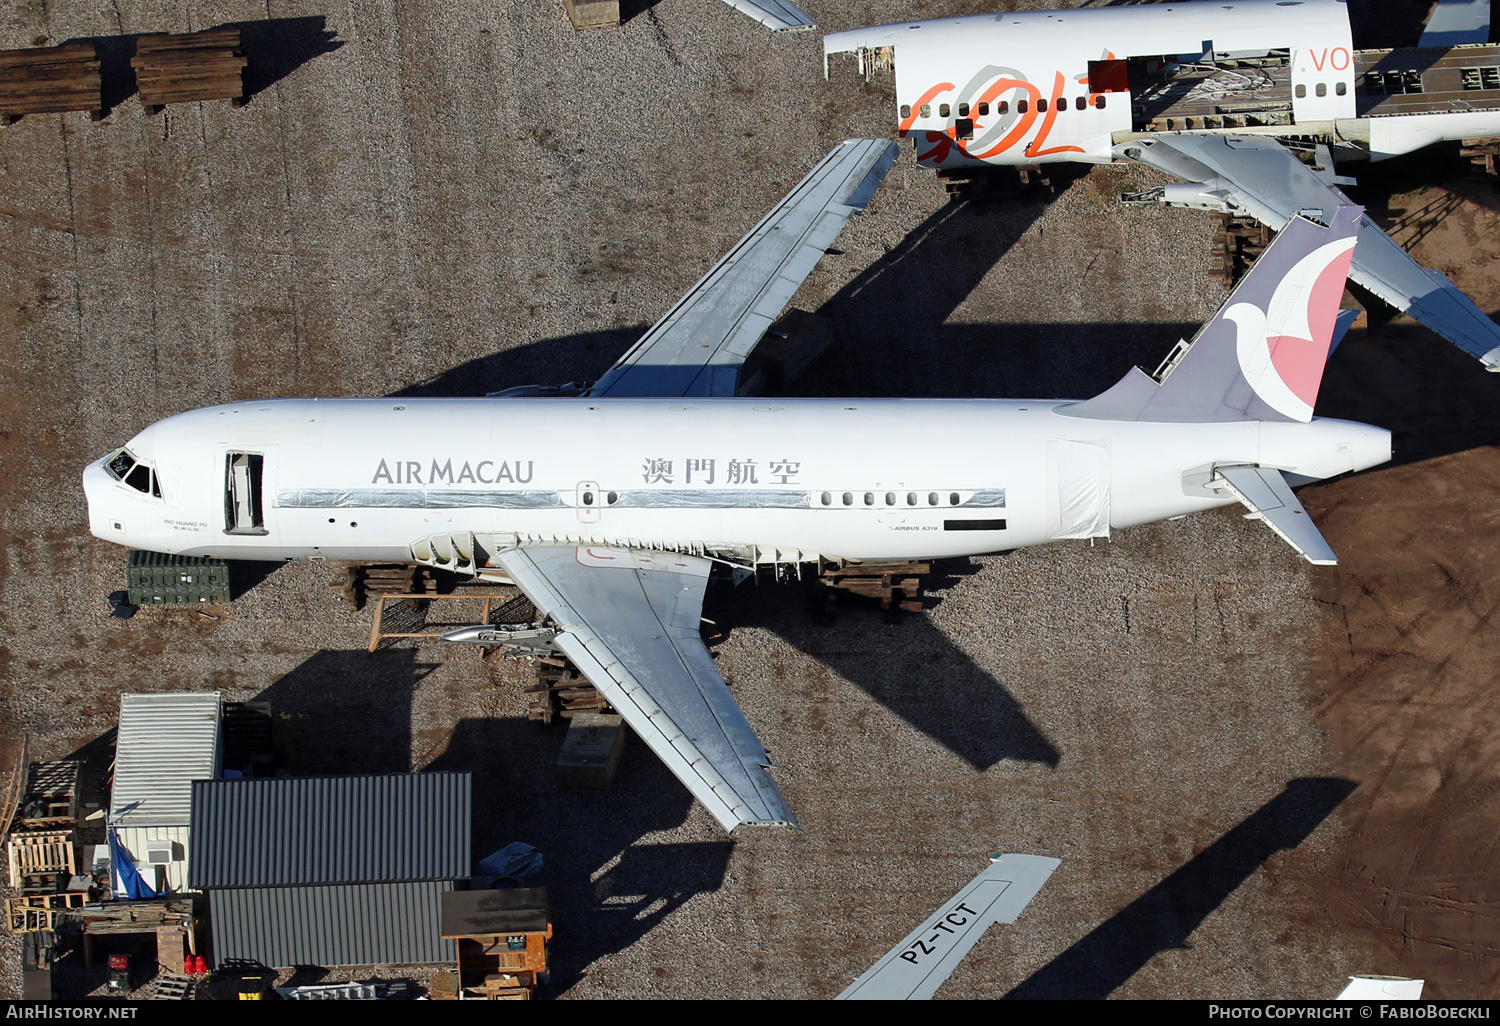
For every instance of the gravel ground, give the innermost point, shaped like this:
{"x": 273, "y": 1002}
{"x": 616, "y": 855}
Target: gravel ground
{"x": 449, "y": 199}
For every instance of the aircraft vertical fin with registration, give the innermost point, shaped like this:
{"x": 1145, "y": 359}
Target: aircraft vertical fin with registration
{"x": 1265, "y": 493}
{"x": 914, "y": 969}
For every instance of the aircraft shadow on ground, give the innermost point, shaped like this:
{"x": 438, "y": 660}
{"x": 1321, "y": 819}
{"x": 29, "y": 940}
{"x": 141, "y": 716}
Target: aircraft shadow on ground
{"x": 1165, "y": 917}
{"x": 273, "y": 48}
{"x": 909, "y": 666}
{"x": 346, "y": 712}
{"x": 607, "y": 890}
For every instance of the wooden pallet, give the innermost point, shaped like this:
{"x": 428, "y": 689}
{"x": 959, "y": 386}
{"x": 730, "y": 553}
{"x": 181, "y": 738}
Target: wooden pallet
{"x": 39, "y": 856}
{"x": 51, "y": 801}
{"x": 192, "y": 66}
{"x": 37, "y": 912}
{"x": 170, "y": 987}
{"x": 49, "y": 80}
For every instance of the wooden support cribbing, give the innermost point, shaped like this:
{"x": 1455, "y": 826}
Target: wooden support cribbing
{"x": 192, "y": 66}
{"x": 49, "y": 80}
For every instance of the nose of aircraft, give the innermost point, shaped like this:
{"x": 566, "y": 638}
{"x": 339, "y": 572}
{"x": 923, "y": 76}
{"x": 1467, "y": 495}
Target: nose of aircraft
{"x": 106, "y": 517}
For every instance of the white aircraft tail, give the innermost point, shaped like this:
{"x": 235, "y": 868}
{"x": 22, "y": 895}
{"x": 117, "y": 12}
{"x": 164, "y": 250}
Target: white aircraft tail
{"x": 1262, "y": 355}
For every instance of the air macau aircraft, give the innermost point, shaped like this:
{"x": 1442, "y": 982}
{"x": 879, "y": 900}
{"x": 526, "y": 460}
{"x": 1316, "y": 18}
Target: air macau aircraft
{"x": 610, "y": 509}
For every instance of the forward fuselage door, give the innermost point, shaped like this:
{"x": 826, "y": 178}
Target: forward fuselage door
{"x": 244, "y": 485}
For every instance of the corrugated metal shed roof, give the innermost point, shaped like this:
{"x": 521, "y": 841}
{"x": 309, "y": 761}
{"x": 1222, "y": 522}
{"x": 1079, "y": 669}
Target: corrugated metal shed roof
{"x": 370, "y": 924}
{"x": 288, "y": 831}
{"x": 164, "y": 744}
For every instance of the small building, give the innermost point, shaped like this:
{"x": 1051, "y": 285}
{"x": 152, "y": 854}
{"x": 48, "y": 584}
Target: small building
{"x": 165, "y": 742}
{"x": 331, "y": 871}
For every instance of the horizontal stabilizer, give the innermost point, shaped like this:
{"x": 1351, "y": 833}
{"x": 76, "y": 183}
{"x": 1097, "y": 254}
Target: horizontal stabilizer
{"x": 914, "y": 969}
{"x": 1264, "y": 492}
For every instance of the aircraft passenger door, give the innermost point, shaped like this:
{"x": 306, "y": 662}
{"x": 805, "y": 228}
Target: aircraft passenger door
{"x": 1078, "y": 486}
{"x": 589, "y": 501}
{"x": 244, "y": 504}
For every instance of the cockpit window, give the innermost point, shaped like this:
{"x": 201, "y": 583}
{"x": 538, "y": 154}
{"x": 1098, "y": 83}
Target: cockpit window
{"x": 119, "y": 464}
{"x": 135, "y": 474}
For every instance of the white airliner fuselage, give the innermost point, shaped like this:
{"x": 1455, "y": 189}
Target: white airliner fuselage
{"x": 740, "y": 479}
{"x": 1045, "y": 86}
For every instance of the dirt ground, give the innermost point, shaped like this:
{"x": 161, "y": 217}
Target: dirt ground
{"x": 1260, "y": 776}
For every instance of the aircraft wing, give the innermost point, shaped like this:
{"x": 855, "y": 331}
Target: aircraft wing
{"x": 699, "y": 346}
{"x": 776, "y": 14}
{"x": 914, "y": 969}
{"x": 629, "y": 622}
{"x": 1266, "y": 494}
{"x": 1264, "y": 180}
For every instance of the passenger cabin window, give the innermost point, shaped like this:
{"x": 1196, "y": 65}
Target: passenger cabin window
{"x": 1081, "y": 103}
{"x": 1021, "y": 106}
{"x": 944, "y": 110}
{"x": 905, "y": 111}
{"x": 1321, "y": 89}
{"x": 984, "y": 109}
{"x": 1062, "y": 103}
{"x": 242, "y": 493}
{"x": 1099, "y": 101}
{"x": 1301, "y": 91}
{"x": 1003, "y": 107}
{"x": 1341, "y": 88}
{"x": 926, "y": 110}
{"x": 963, "y": 110}
{"x": 1041, "y": 106}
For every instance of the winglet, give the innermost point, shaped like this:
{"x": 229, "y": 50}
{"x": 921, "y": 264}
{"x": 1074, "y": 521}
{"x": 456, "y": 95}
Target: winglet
{"x": 1262, "y": 355}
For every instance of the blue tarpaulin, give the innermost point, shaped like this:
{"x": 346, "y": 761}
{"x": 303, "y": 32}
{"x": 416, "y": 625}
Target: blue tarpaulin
{"x": 129, "y": 876}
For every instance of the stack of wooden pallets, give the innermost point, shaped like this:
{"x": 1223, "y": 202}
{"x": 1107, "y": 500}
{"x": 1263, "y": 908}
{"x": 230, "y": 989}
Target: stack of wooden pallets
{"x": 38, "y": 858}
{"x": 41, "y": 911}
{"x": 48, "y": 80}
{"x": 194, "y": 66}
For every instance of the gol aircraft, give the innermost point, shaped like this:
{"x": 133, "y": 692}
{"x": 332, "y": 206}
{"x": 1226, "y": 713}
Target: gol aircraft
{"x": 610, "y": 509}
{"x": 1231, "y": 97}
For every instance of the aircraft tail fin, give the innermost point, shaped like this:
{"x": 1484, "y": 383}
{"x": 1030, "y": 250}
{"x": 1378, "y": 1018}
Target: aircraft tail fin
{"x": 1262, "y": 355}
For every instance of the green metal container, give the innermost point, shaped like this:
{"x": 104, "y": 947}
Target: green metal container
{"x": 152, "y": 577}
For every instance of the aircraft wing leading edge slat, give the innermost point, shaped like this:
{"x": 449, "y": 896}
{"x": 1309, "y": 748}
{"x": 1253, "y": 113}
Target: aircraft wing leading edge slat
{"x": 699, "y": 346}
{"x": 629, "y": 622}
{"x": 914, "y": 969}
{"x": 1267, "y": 181}
{"x": 776, "y": 14}
{"x": 1265, "y": 492}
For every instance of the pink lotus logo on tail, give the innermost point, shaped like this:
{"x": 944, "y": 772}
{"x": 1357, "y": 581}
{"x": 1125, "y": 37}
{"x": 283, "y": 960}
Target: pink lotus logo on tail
{"x": 1283, "y": 349}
